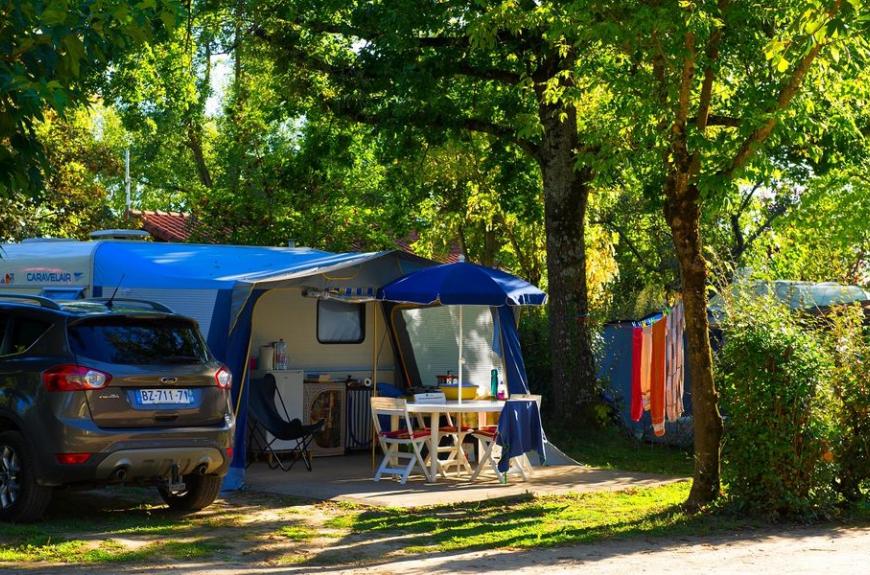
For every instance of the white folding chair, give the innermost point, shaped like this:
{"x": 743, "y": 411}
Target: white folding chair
{"x": 488, "y": 438}
{"x": 457, "y": 432}
{"x": 390, "y": 441}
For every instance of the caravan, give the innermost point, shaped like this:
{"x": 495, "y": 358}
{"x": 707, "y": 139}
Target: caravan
{"x": 321, "y": 306}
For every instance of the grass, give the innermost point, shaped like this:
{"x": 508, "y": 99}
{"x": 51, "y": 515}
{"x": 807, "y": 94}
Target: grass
{"x": 256, "y": 530}
{"x": 539, "y": 522}
{"x": 611, "y": 449}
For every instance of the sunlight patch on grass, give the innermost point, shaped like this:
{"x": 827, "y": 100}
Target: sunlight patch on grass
{"x": 536, "y": 522}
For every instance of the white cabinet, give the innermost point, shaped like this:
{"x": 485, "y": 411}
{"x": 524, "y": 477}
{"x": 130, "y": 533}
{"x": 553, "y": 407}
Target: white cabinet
{"x": 290, "y": 386}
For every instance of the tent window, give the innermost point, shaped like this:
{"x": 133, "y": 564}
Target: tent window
{"x": 340, "y": 322}
{"x": 433, "y": 333}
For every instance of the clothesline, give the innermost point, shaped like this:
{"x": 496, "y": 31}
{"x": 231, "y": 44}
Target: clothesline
{"x": 657, "y": 367}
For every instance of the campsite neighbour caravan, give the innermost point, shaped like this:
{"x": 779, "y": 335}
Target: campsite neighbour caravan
{"x": 318, "y": 305}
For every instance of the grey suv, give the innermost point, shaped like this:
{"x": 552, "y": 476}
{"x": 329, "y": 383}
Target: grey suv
{"x": 97, "y": 392}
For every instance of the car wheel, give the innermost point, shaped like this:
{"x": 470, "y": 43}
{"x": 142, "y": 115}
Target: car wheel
{"x": 21, "y": 497}
{"x": 200, "y": 492}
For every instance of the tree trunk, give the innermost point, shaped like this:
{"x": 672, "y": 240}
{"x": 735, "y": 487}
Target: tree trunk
{"x": 566, "y": 193}
{"x": 683, "y": 214}
{"x": 194, "y": 142}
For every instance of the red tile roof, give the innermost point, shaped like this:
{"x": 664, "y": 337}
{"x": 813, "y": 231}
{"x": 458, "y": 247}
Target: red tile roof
{"x": 165, "y": 226}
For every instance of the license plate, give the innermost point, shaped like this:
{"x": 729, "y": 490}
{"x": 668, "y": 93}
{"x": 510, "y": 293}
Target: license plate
{"x": 165, "y": 397}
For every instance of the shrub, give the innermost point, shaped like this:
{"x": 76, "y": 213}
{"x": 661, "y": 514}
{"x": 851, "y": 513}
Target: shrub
{"x": 849, "y": 345}
{"x": 776, "y": 398}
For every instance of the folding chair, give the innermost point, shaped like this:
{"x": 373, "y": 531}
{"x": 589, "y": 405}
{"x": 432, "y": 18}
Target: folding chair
{"x": 488, "y": 438}
{"x": 264, "y": 417}
{"x": 391, "y": 440}
{"x": 455, "y": 454}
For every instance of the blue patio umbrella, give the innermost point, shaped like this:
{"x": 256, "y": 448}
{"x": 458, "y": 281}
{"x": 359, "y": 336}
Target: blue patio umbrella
{"x": 462, "y": 283}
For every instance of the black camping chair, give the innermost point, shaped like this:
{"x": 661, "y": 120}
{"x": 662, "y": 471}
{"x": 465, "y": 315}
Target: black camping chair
{"x": 263, "y": 416}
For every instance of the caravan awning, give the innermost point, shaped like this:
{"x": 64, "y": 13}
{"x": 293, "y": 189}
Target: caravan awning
{"x": 243, "y": 269}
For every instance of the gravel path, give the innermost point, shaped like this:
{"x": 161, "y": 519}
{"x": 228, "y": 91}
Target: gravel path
{"x": 814, "y": 550}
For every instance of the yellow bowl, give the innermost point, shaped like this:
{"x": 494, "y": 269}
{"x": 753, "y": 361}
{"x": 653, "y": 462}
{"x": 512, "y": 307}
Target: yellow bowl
{"x": 452, "y": 391}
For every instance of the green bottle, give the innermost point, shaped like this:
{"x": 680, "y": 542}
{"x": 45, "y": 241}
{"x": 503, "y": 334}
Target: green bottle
{"x": 493, "y": 383}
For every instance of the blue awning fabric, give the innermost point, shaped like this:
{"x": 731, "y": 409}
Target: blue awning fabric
{"x": 462, "y": 283}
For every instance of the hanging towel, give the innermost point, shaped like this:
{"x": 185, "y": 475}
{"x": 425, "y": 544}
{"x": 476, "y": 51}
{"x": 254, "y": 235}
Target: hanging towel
{"x": 519, "y": 431}
{"x": 636, "y": 353}
{"x": 670, "y": 369}
{"x": 645, "y": 363}
{"x": 657, "y": 377}
{"x": 679, "y": 357}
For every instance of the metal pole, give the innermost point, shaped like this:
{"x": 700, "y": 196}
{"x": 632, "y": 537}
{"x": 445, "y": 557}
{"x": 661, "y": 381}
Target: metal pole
{"x": 129, "y": 200}
{"x": 460, "y": 354}
{"x": 375, "y": 350}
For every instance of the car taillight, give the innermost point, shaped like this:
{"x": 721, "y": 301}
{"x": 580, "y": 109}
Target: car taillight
{"x": 72, "y": 458}
{"x": 73, "y": 377}
{"x": 223, "y": 378}
{"x": 229, "y": 452}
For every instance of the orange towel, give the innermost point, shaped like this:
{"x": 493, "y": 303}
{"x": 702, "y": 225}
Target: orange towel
{"x": 657, "y": 377}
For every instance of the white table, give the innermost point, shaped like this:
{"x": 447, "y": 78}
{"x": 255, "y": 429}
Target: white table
{"x": 436, "y": 410}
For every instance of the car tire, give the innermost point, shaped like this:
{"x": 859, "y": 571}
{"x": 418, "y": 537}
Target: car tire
{"x": 200, "y": 492}
{"x": 22, "y": 499}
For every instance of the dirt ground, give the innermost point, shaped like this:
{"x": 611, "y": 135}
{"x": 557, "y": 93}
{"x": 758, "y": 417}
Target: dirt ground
{"x": 812, "y": 550}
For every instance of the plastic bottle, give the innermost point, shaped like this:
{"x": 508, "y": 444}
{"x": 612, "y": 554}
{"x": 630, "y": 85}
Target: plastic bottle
{"x": 493, "y": 383}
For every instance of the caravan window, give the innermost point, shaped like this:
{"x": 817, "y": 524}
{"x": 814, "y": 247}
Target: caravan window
{"x": 340, "y": 322}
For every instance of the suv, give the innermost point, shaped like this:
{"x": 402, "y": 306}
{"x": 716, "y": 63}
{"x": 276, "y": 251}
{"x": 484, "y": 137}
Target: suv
{"x": 108, "y": 391}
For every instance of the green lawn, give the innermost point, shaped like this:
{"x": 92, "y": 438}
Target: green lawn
{"x": 611, "y": 449}
{"x": 265, "y": 531}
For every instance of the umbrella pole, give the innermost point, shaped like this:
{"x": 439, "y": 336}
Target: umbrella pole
{"x": 460, "y": 354}
{"x": 375, "y": 353}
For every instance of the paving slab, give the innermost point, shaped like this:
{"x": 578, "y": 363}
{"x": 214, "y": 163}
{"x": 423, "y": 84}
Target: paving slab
{"x": 349, "y": 478}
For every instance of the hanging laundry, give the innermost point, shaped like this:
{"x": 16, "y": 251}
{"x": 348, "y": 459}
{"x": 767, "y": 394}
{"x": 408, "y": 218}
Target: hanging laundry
{"x": 645, "y": 364}
{"x": 657, "y": 377}
{"x": 670, "y": 364}
{"x": 676, "y": 358}
{"x": 636, "y": 355}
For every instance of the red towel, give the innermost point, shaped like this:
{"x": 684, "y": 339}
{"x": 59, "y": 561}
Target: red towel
{"x": 657, "y": 377}
{"x": 636, "y": 392}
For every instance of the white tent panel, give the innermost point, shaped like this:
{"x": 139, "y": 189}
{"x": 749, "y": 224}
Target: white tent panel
{"x": 434, "y": 336}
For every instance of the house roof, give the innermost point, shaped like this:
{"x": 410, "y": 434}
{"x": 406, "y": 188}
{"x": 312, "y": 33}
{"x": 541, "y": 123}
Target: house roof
{"x": 179, "y": 227}
{"x": 166, "y": 226}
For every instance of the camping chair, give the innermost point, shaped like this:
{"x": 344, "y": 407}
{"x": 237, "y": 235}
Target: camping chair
{"x": 264, "y": 416}
{"x": 391, "y": 440}
{"x": 455, "y": 454}
{"x": 488, "y": 438}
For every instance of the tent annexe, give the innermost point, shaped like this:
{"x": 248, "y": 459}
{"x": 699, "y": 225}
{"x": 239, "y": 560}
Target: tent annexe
{"x": 236, "y": 277}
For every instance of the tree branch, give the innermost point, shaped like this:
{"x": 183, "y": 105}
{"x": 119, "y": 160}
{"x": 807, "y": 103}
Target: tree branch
{"x": 786, "y": 94}
{"x": 712, "y": 53}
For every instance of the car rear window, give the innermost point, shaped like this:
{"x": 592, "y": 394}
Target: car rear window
{"x": 135, "y": 341}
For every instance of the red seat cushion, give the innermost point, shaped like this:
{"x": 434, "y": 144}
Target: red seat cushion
{"x": 488, "y": 431}
{"x": 405, "y": 434}
{"x": 452, "y": 429}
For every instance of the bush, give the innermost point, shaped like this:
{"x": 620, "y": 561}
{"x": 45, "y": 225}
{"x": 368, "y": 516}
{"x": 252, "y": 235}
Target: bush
{"x": 777, "y": 399}
{"x": 849, "y": 345}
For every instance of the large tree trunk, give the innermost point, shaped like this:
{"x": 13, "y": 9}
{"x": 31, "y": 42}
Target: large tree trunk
{"x": 566, "y": 193}
{"x": 683, "y": 214}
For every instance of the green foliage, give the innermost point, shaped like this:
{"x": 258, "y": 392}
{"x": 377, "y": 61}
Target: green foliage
{"x": 776, "y": 398}
{"x": 83, "y": 169}
{"x": 849, "y": 344}
{"x": 51, "y": 55}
